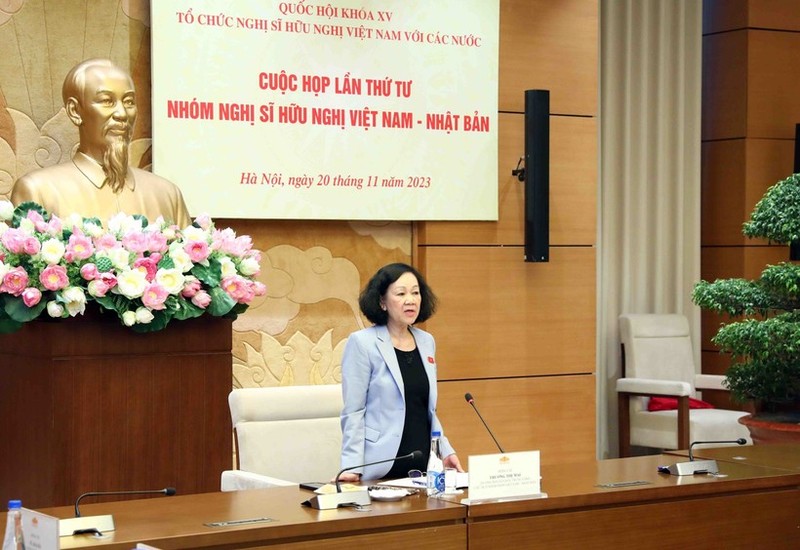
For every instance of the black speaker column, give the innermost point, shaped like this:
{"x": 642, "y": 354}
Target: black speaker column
{"x": 796, "y": 148}
{"x": 537, "y": 175}
{"x": 794, "y": 246}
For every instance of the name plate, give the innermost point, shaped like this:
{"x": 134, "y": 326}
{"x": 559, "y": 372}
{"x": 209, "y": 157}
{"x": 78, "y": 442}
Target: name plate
{"x": 505, "y": 476}
{"x": 40, "y": 530}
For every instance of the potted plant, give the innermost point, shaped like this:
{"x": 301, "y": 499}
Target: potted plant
{"x": 763, "y": 335}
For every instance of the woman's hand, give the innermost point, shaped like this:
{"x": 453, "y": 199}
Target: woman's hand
{"x": 451, "y": 461}
{"x": 348, "y": 477}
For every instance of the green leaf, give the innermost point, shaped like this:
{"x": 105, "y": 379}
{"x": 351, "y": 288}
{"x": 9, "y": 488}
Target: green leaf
{"x": 187, "y": 310}
{"x": 166, "y": 262}
{"x": 16, "y": 309}
{"x": 775, "y": 217}
{"x": 211, "y": 274}
{"x": 142, "y": 218}
{"x": 221, "y": 302}
{"x": 21, "y": 211}
{"x": 113, "y": 302}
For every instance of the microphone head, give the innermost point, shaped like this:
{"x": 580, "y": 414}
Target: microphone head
{"x": 416, "y": 455}
{"x": 169, "y": 491}
{"x": 468, "y": 397}
{"x": 741, "y": 441}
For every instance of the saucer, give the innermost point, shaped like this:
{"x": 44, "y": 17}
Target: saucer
{"x": 387, "y": 494}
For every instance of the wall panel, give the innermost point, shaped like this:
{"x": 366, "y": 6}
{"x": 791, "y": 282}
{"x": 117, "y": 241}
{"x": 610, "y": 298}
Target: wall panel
{"x": 552, "y": 414}
{"x": 724, "y": 86}
{"x": 720, "y": 16}
{"x": 736, "y": 174}
{"x": 773, "y": 104}
{"x": 724, "y": 16}
{"x": 551, "y": 46}
{"x": 759, "y": 101}
{"x": 502, "y": 317}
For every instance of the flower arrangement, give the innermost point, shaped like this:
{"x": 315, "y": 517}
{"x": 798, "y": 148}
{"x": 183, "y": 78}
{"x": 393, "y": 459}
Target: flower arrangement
{"x": 147, "y": 273}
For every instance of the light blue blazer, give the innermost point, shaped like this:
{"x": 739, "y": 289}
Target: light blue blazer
{"x": 374, "y": 399}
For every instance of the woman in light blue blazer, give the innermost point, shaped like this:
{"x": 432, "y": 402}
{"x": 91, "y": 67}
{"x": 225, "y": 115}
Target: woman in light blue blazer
{"x": 389, "y": 380}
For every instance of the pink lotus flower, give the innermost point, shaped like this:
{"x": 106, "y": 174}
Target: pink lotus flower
{"x": 204, "y": 221}
{"x": 38, "y": 221}
{"x": 154, "y": 296}
{"x": 31, "y": 296}
{"x": 109, "y": 279}
{"x": 221, "y": 238}
{"x": 106, "y": 242}
{"x": 79, "y": 248}
{"x": 149, "y": 265}
{"x": 191, "y": 288}
{"x": 201, "y": 299}
{"x": 227, "y": 242}
{"x": 259, "y": 288}
{"x": 89, "y": 272}
{"x": 13, "y": 240}
{"x": 55, "y": 226}
{"x": 98, "y": 288}
{"x": 198, "y": 251}
{"x": 136, "y": 242}
{"x": 54, "y": 277}
{"x": 157, "y": 242}
{"x": 15, "y": 281}
{"x": 31, "y": 246}
{"x": 237, "y": 288}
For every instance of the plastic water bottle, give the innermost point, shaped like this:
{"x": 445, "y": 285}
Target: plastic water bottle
{"x": 435, "y": 474}
{"x": 13, "y": 539}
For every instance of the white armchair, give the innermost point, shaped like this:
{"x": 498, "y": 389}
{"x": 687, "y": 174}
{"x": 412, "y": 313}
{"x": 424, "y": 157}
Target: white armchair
{"x": 657, "y": 359}
{"x": 284, "y": 436}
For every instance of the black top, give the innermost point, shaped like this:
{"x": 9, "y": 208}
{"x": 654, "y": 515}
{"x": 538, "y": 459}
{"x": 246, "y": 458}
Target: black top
{"x": 417, "y": 426}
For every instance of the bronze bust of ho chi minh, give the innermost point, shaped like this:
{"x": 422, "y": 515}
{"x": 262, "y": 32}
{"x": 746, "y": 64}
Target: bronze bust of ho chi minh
{"x": 99, "y": 98}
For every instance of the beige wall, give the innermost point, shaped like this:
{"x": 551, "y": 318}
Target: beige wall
{"x": 520, "y": 337}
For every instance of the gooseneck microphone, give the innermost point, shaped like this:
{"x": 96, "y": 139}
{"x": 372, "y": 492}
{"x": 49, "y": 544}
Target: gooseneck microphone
{"x": 168, "y": 491}
{"x": 356, "y": 498}
{"x": 97, "y": 525}
{"x": 740, "y": 441}
{"x": 693, "y": 466}
{"x": 471, "y": 401}
{"x": 415, "y": 455}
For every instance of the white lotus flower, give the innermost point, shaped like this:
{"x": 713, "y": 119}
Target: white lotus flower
{"x": 131, "y": 283}
{"x": 171, "y": 279}
{"x": 52, "y": 251}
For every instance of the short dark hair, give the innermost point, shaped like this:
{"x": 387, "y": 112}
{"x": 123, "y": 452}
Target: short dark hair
{"x": 370, "y": 298}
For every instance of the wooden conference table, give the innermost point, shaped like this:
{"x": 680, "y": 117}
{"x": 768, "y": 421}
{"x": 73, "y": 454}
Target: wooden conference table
{"x": 604, "y": 504}
{"x": 784, "y": 456}
{"x": 752, "y": 506}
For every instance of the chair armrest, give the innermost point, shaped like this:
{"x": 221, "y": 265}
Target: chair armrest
{"x": 646, "y": 386}
{"x": 710, "y": 382}
{"x": 237, "y": 480}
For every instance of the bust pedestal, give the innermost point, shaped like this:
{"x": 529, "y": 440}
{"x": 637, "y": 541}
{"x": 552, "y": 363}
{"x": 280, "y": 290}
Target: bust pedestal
{"x": 87, "y": 404}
